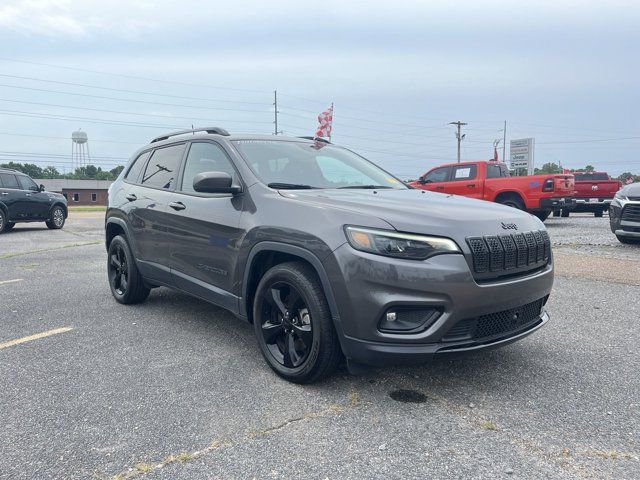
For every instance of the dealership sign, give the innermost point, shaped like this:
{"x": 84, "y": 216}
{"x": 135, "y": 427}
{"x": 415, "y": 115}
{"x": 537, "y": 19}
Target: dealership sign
{"x": 521, "y": 152}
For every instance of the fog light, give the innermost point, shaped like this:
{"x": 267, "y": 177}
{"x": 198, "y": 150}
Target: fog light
{"x": 409, "y": 319}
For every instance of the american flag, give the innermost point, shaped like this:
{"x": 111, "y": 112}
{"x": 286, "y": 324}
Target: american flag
{"x": 325, "y": 120}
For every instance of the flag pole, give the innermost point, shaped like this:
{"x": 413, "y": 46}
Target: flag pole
{"x": 331, "y": 122}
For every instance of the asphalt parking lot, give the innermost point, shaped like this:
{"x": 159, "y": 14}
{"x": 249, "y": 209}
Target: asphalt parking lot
{"x": 177, "y": 389}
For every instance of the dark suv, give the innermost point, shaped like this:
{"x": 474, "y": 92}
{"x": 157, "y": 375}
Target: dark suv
{"x": 323, "y": 252}
{"x": 22, "y": 200}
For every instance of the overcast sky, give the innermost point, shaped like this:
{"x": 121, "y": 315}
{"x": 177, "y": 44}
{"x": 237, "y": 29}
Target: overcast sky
{"x": 563, "y": 72}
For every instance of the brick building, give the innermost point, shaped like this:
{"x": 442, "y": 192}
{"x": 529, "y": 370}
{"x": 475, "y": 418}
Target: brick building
{"x": 79, "y": 192}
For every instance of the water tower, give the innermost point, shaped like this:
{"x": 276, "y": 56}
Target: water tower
{"x": 79, "y": 149}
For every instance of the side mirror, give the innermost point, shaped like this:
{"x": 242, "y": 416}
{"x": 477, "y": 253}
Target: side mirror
{"x": 41, "y": 188}
{"x": 214, "y": 182}
{"x": 422, "y": 180}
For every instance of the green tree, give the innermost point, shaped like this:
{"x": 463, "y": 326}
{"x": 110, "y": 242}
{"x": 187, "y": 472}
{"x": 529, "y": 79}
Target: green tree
{"x": 50, "y": 172}
{"x": 589, "y": 168}
{"x": 549, "y": 168}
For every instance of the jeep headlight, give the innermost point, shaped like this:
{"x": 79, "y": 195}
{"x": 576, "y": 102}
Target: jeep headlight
{"x": 399, "y": 245}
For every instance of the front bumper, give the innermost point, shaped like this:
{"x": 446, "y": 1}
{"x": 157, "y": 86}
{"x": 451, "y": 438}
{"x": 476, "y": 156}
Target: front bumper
{"x": 365, "y": 286}
{"x": 620, "y": 227}
{"x": 557, "y": 203}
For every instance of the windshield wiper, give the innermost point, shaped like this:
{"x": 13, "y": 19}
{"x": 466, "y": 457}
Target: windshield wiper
{"x": 368, "y": 187}
{"x": 290, "y": 186}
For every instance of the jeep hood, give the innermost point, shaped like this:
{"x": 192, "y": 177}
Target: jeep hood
{"x": 424, "y": 212}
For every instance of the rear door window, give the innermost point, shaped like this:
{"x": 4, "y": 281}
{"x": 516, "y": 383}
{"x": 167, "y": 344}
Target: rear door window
{"x": 162, "y": 168}
{"x": 464, "y": 172}
{"x": 7, "y": 180}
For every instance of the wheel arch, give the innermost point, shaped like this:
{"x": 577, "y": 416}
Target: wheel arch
{"x": 503, "y": 195}
{"x": 59, "y": 204}
{"x": 114, "y": 227}
{"x": 265, "y": 255}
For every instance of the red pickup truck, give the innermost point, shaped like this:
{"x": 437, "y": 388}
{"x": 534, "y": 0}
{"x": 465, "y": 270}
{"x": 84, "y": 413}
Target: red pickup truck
{"x": 489, "y": 180}
{"x": 594, "y": 192}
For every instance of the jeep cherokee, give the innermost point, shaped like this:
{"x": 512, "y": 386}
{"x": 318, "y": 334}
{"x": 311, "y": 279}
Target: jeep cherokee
{"x": 326, "y": 254}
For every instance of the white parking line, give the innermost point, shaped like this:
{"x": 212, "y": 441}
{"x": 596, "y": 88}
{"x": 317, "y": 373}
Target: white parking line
{"x": 37, "y": 336}
{"x": 16, "y": 280}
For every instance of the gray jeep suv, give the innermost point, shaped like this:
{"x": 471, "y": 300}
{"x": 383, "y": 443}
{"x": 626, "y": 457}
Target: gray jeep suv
{"x": 326, "y": 254}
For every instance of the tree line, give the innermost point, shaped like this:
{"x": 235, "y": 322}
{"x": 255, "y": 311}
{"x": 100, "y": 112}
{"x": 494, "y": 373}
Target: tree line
{"x": 555, "y": 168}
{"x": 88, "y": 172}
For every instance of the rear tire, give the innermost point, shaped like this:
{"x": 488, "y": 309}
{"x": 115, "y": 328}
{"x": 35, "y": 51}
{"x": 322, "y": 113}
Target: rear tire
{"x": 564, "y": 213}
{"x": 542, "y": 214}
{"x": 627, "y": 240}
{"x": 56, "y": 219}
{"x": 125, "y": 281}
{"x": 9, "y": 226}
{"x": 293, "y": 324}
{"x": 556, "y": 213}
{"x": 598, "y": 213}
{"x": 3, "y": 221}
{"x": 513, "y": 202}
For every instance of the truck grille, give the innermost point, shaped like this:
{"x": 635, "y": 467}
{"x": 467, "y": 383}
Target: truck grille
{"x": 631, "y": 213}
{"x": 497, "y": 324}
{"x": 504, "y": 255}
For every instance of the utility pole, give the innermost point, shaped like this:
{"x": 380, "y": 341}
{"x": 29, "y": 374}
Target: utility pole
{"x": 458, "y": 136}
{"x": 275, "y": 112}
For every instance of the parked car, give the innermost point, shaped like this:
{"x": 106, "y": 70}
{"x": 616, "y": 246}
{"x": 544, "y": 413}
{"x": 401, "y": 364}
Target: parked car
{"x": 490, "y": 180}
{"x": 22, "y": 200}
{"x": 624, "y": 214}
{"x": 594, "y": 192}
{"x": 325, "y": 253}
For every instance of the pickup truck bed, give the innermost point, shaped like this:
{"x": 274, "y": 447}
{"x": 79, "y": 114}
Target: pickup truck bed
{"x": 594, "y": 192}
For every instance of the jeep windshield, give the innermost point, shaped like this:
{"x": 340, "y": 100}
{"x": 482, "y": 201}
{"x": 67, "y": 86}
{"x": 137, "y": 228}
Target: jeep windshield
{"x": 302, "y": 165}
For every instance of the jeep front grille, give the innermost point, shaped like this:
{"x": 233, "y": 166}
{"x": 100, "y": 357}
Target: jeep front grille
{"x": 496, "y": 256}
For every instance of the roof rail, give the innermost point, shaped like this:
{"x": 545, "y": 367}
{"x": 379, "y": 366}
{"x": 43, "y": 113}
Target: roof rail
{"x": 214, "y": 130}
{"x": 317, "y": 139}
{"x": 10, "y": 170}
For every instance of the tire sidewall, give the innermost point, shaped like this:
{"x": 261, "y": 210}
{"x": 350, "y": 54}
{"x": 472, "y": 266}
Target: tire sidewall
{"x": 52, "y": 221}
{"x": 3, "y": 220}
{"x": 119, "y": 240}
{"x": 301, "y": 282}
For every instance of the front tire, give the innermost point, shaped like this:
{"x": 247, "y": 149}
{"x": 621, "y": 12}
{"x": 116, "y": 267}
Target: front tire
{"x": 3, "y": 221}
{"x": 56, "y": 219}
{"x": 9, "y": 226}
{"x": 565, "y": 212}
{"x": 126, "y": 283}
{"x": 293, "y": 324}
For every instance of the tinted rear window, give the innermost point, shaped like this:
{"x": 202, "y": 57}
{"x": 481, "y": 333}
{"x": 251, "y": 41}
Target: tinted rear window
{"x": 8, "y": 180}
{"x": 133, "y": 175}
{"x": 590, "y": 177}
{"x": 162, "y": 169}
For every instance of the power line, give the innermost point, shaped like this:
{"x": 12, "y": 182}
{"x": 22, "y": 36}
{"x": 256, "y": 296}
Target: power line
{"x": 130, "y": 113}
{"x": 122, "y": 90}
{"x": 30, "y": 135}
{"x": 6, "y": 59}
{"x": 130, "y": 100}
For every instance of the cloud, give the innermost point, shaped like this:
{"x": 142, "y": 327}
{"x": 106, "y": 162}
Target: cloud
{"x": 64, "y": 18}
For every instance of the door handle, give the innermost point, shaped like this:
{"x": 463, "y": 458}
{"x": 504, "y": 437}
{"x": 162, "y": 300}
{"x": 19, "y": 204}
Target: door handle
{"x": 439, "y": 188}
{"x": 131, "y": 197}
{"x": 27, "y": 194}
{"x": 5, "y": 193}
{"x": 471, "y": 185}
{"x": 177, "y": 205}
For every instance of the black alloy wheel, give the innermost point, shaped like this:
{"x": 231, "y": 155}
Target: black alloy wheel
{"x": 293, "y": 324}
{"x": 127, "y": 285}
{"x": 118, "y": 270}
{"x": 286, "y": 325}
